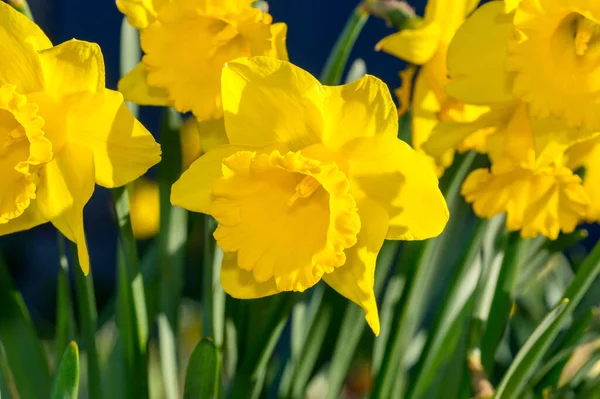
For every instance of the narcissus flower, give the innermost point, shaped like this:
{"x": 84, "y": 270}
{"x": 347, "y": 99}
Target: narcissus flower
{"x": 187, "y": 42}
{"x": 144, "y": 209}
{"x": 538, "y": 197}
{"x": 197, "y": 137}
{"x": 427, "y": 45}
{"x": 312, "y": 182}
{"x": 544, "y": 53}
{"x": 587, "y": 155}
{"x": 61, "y": 131}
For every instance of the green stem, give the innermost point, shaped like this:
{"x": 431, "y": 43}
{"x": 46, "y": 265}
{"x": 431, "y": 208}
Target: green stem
{"x": 504, "y": 296}
{"x": 88, "y": 318}
{"x": 336, "y": 62}
{"x": 64, "y": 311}
{"x": 171, "y": 249}
{"x": 132, "y": 315}
{"x": 21, "y": 6}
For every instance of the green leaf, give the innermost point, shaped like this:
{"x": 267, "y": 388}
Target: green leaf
{"x": 536, "y": 347}
{"x": 66, "y": 382}
{"x": 131, "y": 300}
{"x": 450, "y": 320}
{"x": 23, "y": 350}
{"x": 530, "y": 354}
{"x": 172, "y": 238}
{"x": 336, "y": 62}
{"x": 202, "y": 377}
{"x": 504, "y": 296}
{"x": 65, "y": 320}
{"x": 88, "y": 317}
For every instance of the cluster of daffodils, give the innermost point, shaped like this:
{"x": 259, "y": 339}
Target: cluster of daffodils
{"x": 305, "y": 181}
{"x": 519, "y": 81}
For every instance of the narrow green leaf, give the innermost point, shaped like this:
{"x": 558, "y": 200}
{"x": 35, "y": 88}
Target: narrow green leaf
{"x": 450, "y": 320}
{"x": 202, "y": 378}
{"x": 21, "y": 6}
{"x": 536, "y": 347}
{"x": 249, "y": 379}
{"x": 504, "y": 296}
{"x": 130, "y": 54}
{"x": 528, "y": 357}
{"x": 66, "y": 382}
{"x": 88, "y": 319}
{"x": 23, "y": 350}
{"x": 131, "y": 300}
{"x": 357, "y": 70}
{"x": 336, "y": 62}
{"x": 65, "y": 319}
{"x": 171, "y": 250}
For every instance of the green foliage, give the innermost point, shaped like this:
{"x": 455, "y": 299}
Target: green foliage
{"x": 66, "y": 382}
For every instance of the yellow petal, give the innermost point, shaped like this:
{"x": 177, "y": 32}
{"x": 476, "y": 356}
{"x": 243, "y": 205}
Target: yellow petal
{"x": 144, "y": 209}
{"x": 355, "y": 279}
{"x": 20, "y": 39}
{"x": 262, "y": 203}
{"x": 135, "y": 88}
{"x": 271, "y": 101}
{"x": 66, "y": 184}
{"x": 240, "y": 283}
{"x": 403, "y": 93}
{"x": 30, "y": 218}
{"x": 192, "y": 190}
{"x": 363, "y": 108}
{"x": 387, "y": 170}
{"x": 140, "y": 12}
{"x": 449, "y": 15}
{"x": 511, "y": 5}
{"x": 415, "y": 46}
{"x": 123, "y": 148}
{"x": 279, "y": 38}
{"x": 477, "y": 57}
{"x": 73, "y": 67}
{"x": 198, "y": 137}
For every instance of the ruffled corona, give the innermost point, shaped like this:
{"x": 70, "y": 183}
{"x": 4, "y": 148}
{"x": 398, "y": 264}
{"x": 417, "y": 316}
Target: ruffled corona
{"x": 543, "y": 201}
{"x": 23, "y": 150}
{"x": 555, "y": 57}
{"x": 268, "y": 204}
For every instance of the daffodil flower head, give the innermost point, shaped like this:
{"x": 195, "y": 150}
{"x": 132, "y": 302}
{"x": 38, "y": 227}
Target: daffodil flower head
{"x": 187, "y": 42}
{"x": 311, "y": 182}
{"x": 539, "y": 195}
{"x": 61, "y": 131}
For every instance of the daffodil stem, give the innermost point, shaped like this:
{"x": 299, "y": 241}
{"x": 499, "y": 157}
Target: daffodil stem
{"x": 213, "y": 296}
{"x": 504, "y": 295}
{"x": 131, "y": 310}
{"x": 64, "y": 311}
{"x": 338, "y": 58}
{"x": 22, "y": 6}
{"x": 88, "y": 318}
{"x": 172, "y": 238}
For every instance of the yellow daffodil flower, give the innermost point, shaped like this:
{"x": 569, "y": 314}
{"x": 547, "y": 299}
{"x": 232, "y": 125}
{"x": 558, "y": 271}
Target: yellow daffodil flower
{"x": 538, "y": 198}
{"x": 587, "y": 154}
{"x": 427, "y": 45}
{"x": 144, "y": 209}
{"x": 543, "y": 53}
{"x": 61, "y": 131}
{"x": 187, "y": 42}
{"x": 312, "y": 182}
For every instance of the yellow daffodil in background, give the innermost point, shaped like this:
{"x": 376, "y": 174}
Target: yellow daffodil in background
{"x": 519, "y": 58}
{"x": 144, "y": 209}
{"x": 427, "y": 45}
{"x": 312, "y": 182}
{"x": 187, "y": 42}
{"x": 587, "y": 154}
{"x": 61, "y": 131}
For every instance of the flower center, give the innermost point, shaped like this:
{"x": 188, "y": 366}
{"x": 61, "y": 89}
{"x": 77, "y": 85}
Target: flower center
{"x": 288, "y": 217}
{"x": 586, "y": 32}
{"x": 23, "y": 150}
{"x": 307, "y": 186}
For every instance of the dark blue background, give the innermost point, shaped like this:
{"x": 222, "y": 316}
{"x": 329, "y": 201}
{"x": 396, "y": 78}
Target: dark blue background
{"x": 313, "y": 28}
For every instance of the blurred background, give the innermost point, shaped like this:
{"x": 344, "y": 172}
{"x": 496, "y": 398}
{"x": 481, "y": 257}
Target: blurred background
{"x": 33, "y": 255}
